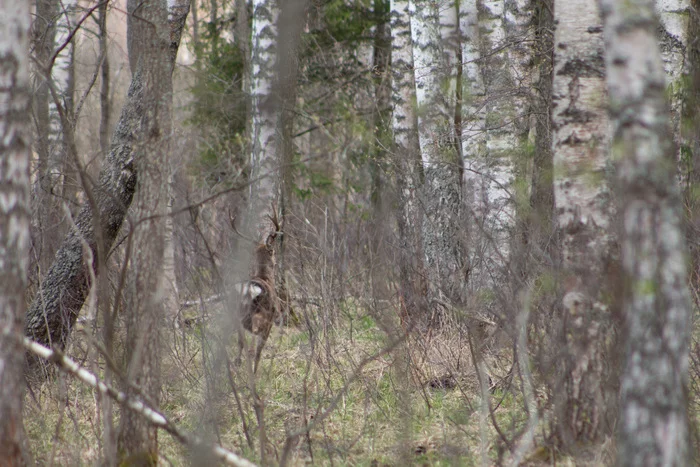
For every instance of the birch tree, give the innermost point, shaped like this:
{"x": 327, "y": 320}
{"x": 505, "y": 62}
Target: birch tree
{"x": 492, "y": 154}
{"x": 406, "y": 158}
{"x": 441, "y": 163}
{"x": 583, "y": 212}
{"x": 63, "y": 81}
{"x": 690, "y": 147}
{"x": 43, "y": 34}
{"x": 265, "y": 113}
{"x": 15, "y": 150}
{"x": 673, "y": 42}
{"x": 472, "y": 95}
{"x": 653, "y": 423}
{"x": 55, "y": 53}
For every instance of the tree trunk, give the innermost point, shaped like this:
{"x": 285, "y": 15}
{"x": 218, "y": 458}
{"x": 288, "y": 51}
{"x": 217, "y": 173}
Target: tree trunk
{"x": 242, "y": 38}
{"x": 653, "y": 424}
{"x": 63, "y": 290}
{"x": 583, "y": 212}
{"x": 407, "y": 162}
{"x": 51, "y": 30}
{"x": 265, "y": 108}
{"x": 15, "y": 150}
{"x": 149, "y": 41}
{"x": 287, "y": 76}
{"x": 690, "y": 148}
{"x": 491, "y": 165}
{"x": 105, "y": 107}
{"x": 471, "y": 127}
{"x": 380, "y": 120}
{"x": 62, "y": 168}
{"x": 441, "y": 163}
{"x": 673, "y": 40}
{"x": 540, "y": 228}
{"x": 267, "y": 97}
{"x": 43, "y": 32}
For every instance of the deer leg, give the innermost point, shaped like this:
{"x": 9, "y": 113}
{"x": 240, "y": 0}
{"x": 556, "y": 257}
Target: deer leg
{"x": 258, "y": 352}
{"x": 262, "y": 339}
{"x": 241, "y": 346}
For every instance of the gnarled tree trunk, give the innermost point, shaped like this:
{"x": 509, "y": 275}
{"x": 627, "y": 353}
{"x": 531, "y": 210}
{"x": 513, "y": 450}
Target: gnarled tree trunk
{"x": 63, "y": 290}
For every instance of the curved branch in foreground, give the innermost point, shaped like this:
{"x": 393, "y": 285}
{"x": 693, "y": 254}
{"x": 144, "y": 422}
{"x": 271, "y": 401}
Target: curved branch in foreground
{"x": 154, "y": 417}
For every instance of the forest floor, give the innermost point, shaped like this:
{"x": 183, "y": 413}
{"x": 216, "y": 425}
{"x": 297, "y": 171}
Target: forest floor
{"x": 418, "y": 404}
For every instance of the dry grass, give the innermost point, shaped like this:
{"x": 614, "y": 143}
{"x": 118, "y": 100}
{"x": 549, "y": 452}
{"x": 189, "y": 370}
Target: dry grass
{"x": 417, "y": 405}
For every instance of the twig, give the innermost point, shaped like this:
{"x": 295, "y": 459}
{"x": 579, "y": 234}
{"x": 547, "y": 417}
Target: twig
{"x": 152, "y": 415}
{"x": 213, "y": 299}
{"x": 526, "y": 443}
{"x": 291, "y": 438}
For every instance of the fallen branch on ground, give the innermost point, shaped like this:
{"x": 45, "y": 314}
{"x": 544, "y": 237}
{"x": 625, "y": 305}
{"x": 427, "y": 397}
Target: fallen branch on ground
{"x": 154, "y": 417}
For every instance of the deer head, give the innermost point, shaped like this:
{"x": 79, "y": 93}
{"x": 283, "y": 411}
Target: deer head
{"x": 265, "y": 251}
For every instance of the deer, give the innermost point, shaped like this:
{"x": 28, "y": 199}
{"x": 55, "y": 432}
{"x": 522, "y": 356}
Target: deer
{"x": 260, "y": 304}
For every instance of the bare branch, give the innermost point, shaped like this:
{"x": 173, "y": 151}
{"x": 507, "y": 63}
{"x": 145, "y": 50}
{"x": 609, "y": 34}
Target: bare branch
{"x": 154, "y": 417}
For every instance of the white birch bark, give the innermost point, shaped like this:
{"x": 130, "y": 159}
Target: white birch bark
{"x": 473, "y": 139}
{"x": 673, "y": 36}
{"x": 265, "y": 114}
{"x": 580, "y": 124}
{"x": 62, "y": 72}
{"x": 583, "y": 210}
{"x": 473, "y": 125}
{"x": 490, "y": 164}
{"x": 15, "y": 150}
{"x": 134, "y": 403}
{"x": 673, "y": 41}
{"x": 653, "y": 424}
{"x": 63, "y": 80}
{"x": 54, "y": 155}
{"x": 406, "y": 156}
{"x": 441, "y": 164}
{"x": 489, "y": 174}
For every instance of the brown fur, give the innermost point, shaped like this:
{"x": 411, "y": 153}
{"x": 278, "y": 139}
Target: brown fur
{"x": 259, "y": 312}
